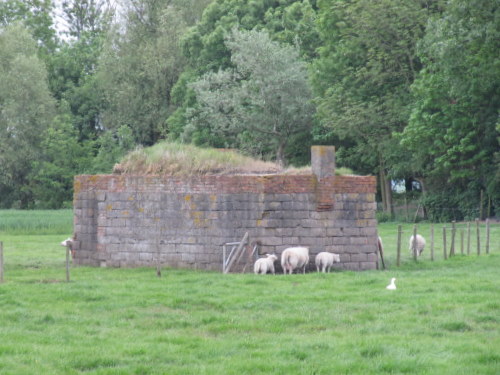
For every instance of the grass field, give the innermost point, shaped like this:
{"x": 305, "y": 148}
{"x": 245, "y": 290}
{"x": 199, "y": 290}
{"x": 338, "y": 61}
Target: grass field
{"x": 443, "y": 319}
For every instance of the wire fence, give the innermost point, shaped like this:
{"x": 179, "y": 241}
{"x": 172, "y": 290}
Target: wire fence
{"x": 443, "y": 241}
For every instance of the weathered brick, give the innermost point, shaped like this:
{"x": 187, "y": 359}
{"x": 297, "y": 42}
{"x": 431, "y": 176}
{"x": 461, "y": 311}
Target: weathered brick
{"x": 197, "y": 215}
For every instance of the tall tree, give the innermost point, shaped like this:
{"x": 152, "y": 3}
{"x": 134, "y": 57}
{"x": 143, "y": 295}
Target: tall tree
{"x": 287, "y": 21}
{"x": 62, "y": 156}
{"x": 261, "y": 103}
{"x": 27, "y": 109}
{"x": 140, "y": 66}
{"x": 86, "y": 16}
{"x": 73, "y": 66}
{"x": 362, "y": 79}
{"x": 452, "y": 132}
{"x": 36, "y": 16}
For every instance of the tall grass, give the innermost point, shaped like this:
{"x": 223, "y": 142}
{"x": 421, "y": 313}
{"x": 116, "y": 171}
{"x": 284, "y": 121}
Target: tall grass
{"x": 36, "y": 221}
{"x": 179, "y": 159}
{"x": 444, "y": 318}
{"x": 170, "y": 158}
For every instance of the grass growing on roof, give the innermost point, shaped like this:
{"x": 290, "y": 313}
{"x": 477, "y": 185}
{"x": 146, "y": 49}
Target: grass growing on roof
{"x": 169, "y": 158}
{"x": 184, "y": 159}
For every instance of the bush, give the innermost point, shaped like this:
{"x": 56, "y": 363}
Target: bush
{"x": 447, "y": 206}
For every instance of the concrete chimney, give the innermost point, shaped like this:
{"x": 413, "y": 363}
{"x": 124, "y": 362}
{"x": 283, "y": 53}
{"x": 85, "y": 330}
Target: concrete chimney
{"x": 323, "y": 161}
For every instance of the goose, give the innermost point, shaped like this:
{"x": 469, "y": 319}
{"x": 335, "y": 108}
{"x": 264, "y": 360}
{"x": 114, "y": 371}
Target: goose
{"x": 392, "y": 285}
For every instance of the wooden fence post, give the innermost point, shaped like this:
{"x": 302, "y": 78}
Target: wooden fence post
{"x": 462, "y": 241}
{"x": 481, "y": 204}
{"x": 478, "y": 238}
{"x": 444, "y": 243}
{"x": 237, "y": 254}
{"x": 432, "y": 242}
{"x": 487, "y": 236}
{"x": 398, "y": 259}
{"x": 1, "y": 262}
{"x": 158, "y": 236}
{"x": 468, "y": 238}
{"x": 453, "y": 232}
{"x": 414, "y": 246}
{"x": 67, "y": 263}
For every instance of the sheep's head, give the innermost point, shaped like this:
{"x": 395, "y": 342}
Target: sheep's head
{"x": 67, "y": 242}
{"x": 336, "y": 258}
{"x": 273, "y": 257}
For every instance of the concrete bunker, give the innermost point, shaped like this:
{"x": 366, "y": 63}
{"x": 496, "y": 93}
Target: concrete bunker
{"x": 182, "y": 222}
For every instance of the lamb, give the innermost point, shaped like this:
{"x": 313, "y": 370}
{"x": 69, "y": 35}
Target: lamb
{"x": 294, "y": 257}
{"x": 419, "y": 245}
{"x": 325, "y": 260}
{"x": 68, "y": 242}
{"x": 264, "y": 265}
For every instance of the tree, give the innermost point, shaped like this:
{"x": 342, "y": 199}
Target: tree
{"x": 62, "y": 156}
{"x": 35, "y": 16}
{"x": 140, "y": 66}
{"x": 73, "y": 66}
{"x": 261, "y": 103}
{"x": 27, "y": 109}
{"x": 290, "y": 22}
{"x": 362, "y": 80}
{"x": 86, "y": 16}
{"x": 452, "y": 132}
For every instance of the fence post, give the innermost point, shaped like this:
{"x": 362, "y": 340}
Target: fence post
{"x": 398, "y": 259}
{"x": 468, "y": 238}
{"x": 478, "y": 238}
{"x": 487, "y": 236}
{"x": 444, "y": 243}
{"x": 1, "y": 262}
{"x": 67, "y": 264}
{"x": 481, "y": 204}
{"x": 414, "y": 245}
{"x": 158, "y": 230}
{"x": 432, "y": 242}
{"x": 453, "y": 232}
{"x": 462, "y": 241}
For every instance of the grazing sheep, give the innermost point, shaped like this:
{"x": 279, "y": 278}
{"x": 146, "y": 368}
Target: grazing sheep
{"x": 68, "y": 242}
{"x": 419, "y": 246}
{"x": 294, "y": 257}
{"x": 264, "y": 265}
{"x": 325, "y": 260}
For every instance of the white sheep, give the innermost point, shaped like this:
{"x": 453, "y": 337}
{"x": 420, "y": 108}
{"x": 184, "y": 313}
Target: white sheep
{"x": 265, "y": 265}
{"x": 69, "y": 242}
{"x": 419, "y": 245}
{"x": 294, "y": 257}
{"x": 325, "y": 260}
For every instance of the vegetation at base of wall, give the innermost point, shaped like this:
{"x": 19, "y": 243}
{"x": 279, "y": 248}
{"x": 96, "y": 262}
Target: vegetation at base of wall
{"x": 442, "y": 319}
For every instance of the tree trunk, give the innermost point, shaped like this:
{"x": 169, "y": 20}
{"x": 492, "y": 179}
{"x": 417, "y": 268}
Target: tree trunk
{"x": 388, "y": 193}
{"x": 280, "y": 154}
{"x": 381, "y": 180}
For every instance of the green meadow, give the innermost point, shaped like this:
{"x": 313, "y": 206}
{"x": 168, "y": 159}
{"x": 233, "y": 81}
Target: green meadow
{"x": 444, "y": 318}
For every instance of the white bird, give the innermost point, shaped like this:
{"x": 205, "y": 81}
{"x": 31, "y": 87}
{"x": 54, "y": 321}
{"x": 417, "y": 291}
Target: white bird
{"x": 392, "y": 285}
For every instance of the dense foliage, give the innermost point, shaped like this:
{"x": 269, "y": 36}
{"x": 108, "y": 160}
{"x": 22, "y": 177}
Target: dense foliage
{"x": 406, "y": 90}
